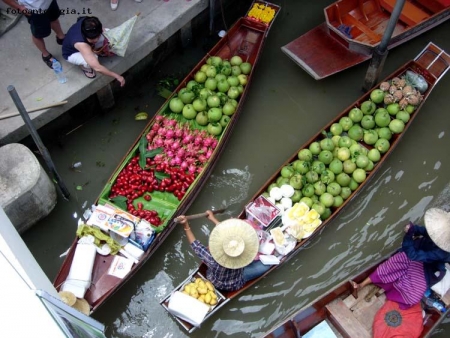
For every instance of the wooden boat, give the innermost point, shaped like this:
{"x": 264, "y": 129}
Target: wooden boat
{"x": 354, "y": 28}
{"x": 432, "y": 63}
{"x": 340, "y": 312}
{"x": 246, "y": 39}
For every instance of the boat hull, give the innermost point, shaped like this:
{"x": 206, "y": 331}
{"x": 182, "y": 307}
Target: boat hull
{"x": 325, "y": 50}
{"x": 322, "y": 309}
{"x": 432, "y": 63}
{"x": 245, "y": 38}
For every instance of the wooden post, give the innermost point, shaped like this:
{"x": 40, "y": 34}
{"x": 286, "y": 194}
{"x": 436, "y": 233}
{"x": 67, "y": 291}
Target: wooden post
{"x": 380, "y": 53}
{"x": 34, "y": 134}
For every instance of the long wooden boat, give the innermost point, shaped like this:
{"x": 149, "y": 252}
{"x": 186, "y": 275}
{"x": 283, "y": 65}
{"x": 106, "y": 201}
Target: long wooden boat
{"x": 432, "y": 63}
{"x": 339, "y": 312}
{"x": 354, "y": 28}
{"x": 245, "y": 39}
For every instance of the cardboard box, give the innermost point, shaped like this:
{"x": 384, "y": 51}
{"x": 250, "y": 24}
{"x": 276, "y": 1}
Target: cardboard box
{"x": 262, "y": 212}
{"x": 116, "y": 220}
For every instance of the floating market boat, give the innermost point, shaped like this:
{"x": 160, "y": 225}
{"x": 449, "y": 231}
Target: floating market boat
{"x": 339, "y": 313}
{"x": 300, "y": 222}
{"x": 167, "y": 165}
{"x": 354, "y": 28}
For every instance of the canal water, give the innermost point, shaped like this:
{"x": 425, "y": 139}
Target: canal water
{"x": 284, "y": 108}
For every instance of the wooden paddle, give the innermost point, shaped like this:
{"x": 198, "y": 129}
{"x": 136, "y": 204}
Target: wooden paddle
{"x": 203, "y": 214}
{"x": 5, "y": 116}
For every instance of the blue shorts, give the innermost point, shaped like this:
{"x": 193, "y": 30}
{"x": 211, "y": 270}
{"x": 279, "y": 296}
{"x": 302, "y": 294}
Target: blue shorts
{"x": 40, "y": 24}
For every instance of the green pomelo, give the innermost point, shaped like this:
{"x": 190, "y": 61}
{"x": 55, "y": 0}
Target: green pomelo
{"x": 356, "y": 132}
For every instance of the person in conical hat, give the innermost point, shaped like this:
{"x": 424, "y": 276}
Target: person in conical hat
{"x": 418, "y": 265}
{"x": 233, "y": 246}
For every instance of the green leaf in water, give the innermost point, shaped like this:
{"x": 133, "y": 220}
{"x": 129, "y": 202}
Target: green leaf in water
{"x": 79, "y": 187}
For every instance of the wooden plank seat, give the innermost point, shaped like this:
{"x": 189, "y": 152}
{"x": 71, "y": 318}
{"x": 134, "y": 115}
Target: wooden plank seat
{"x": 350, "y": 20}
{"x": 411, "y": 14}
{"x": 344, "y": 320}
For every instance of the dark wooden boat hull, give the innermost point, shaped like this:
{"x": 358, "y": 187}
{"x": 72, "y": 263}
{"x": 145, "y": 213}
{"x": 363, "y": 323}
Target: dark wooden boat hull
{"x": 325, "y": 50}
{"x": 316, "y": 311}
{"x": 245, "y": 38}
{"x": 432, "y": 63}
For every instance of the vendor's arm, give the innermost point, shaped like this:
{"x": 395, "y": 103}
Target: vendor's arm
{"x": 190, "y": 236}
{"x": 211, "y": 217}
{"x": 92, "y": 61}
{"x": 200, "y": 250}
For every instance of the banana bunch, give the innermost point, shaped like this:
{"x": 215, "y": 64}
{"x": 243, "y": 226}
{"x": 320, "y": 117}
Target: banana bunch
{"x": 201, "y": 289}
{"x": 262, "y": 13}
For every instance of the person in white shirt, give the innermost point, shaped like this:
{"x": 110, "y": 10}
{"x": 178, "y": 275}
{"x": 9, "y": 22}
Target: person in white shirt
{"x": 43, "y": 17}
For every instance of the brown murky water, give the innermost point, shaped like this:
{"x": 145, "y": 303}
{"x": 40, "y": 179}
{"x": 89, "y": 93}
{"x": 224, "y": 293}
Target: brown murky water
{"x": 284, "y": 108}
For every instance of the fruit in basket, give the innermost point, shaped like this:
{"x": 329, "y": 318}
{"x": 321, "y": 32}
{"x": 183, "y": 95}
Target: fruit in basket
{"x": 202, "y": 290}
{"x": 396, "y": 126}
{"x": 246, "y": 68}
{"x": 189, "y": 112}
{"x": 214, "y": 128}
{"x": 176, "y": 105}
{"x": 202, "y": 118}
{"x": 236, "y": 60}
{"x": 368, "y": 107}
{"x": 377, "y": 96}
{"x": 199, "y": 104}
{"x": 186, "y": 95}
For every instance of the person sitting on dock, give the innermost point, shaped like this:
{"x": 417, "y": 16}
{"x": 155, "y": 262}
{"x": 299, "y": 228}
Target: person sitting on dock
{"x": 233, "y": 246}
{"x": 80, "y": 43}
{"x": 418, "y": 265}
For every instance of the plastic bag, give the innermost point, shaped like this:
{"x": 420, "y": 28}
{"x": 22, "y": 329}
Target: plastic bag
{"x": 417, "y": 81}
{"x": 443, "y": 285}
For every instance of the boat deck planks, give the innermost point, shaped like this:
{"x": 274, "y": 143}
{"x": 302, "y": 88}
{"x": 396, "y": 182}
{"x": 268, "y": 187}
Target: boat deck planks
{"x": 320, "y": 65}
{"x": 342, "y": 318}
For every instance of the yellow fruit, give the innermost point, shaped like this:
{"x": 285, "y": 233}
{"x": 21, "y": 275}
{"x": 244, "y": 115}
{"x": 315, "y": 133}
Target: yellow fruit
{"x": 201, "y": 284}
{"x": 213, "y": 301}
{"x": 201, "y": 298}
{"x": 278, "y": 236}
{"x": 187, "y": 288}
{"x": 202, "y": 291}
{"x": 194, "y": 293}
{"x": 207, "y": 298}
{"x": 198, "y": 280}
{"x": 185, "y": 292}
{"x": 213, "y": 294}
{"x": 209, "y": 285}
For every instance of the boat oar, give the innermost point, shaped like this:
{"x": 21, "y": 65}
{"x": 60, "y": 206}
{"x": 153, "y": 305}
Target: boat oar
{"x": 203, "y": 214}
{"x": 5, "y": 116}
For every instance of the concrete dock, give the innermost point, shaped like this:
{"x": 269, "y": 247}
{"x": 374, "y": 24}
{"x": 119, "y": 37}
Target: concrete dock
{"x": 36, "y": 84}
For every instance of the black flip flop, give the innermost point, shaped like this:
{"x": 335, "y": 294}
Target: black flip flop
{"x": 59, "y": 41}
{"x": 88, "y": 72}
{"x": 48, "y": 60}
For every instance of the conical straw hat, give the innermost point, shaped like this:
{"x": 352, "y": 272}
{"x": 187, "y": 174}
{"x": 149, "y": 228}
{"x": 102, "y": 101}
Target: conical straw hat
{"x": 437, "y": 223}
{"x": 82, "y": 305}
{"x": 68, "y": 297}
{"x": 233, "y": 243}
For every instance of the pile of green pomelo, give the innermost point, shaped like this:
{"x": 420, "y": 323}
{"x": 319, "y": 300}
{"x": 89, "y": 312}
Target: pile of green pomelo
{"x": 332, "y": 167}
{"x": 211, "y": 98}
